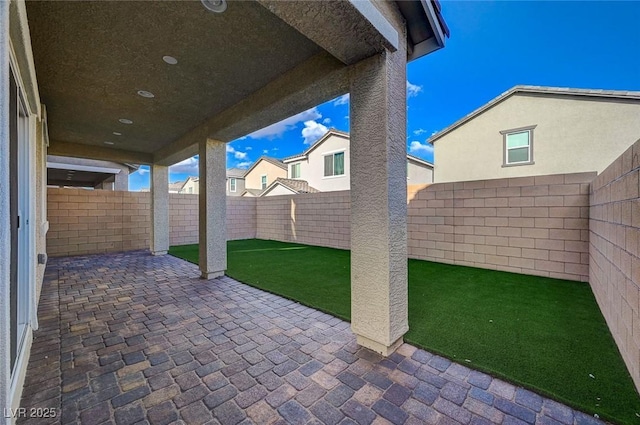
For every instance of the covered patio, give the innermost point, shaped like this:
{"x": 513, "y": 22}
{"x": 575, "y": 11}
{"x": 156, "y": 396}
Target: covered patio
{"x": 134, "y": 338}
{"x": 156, "y": 83}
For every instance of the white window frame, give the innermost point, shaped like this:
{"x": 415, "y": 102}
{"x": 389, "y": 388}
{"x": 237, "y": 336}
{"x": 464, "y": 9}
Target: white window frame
{"x": 293, "y": 167}
{"x": 264, "y": 182}
{"x": 506, "y": 149}
{"x": 333, "y": 153}
{"x": 233, "y": 184}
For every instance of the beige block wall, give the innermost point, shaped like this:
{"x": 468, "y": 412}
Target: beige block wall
{"x": 614, "y": 251}
{"x": 530, "y": 225}
{"x": 92, "y": 221}
{"x": 241, "y": 218}
{"x": 95, "y": 221}
{"x": 183, "y": 219}
{"x": 321, "y": 219}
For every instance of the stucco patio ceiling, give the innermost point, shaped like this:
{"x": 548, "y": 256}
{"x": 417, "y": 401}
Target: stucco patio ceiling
{"x": 93, "y": 57}
{"x": 237, "y": 71}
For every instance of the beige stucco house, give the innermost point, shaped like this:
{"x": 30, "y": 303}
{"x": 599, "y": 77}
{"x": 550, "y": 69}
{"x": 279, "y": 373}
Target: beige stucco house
{"x": 326, "y": 165}
{"x": 262, "y": 173}
{"x": 532, "y": 131}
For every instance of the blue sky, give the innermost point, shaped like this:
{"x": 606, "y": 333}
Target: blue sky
{"x": 494, "y": 45}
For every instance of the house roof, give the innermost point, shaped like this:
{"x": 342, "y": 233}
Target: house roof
{"x": 295, "y": 185}
{"x": 253, "y": 192}
{"x": 321, "y": 140}
{"x": 236, "y": 172}
{"x": 274, "y": 161}
{"x": 539, "y": 90}
{"x": 176, "y": 185}
{"x": 419, "y": 160}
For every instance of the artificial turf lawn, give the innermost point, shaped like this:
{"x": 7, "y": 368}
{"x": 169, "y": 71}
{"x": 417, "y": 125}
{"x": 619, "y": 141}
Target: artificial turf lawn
{"x": 545, "y": 334}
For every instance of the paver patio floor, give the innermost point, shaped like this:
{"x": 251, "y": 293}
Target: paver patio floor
{"x": 131, "y": 338}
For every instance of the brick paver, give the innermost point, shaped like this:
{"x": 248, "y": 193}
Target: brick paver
{"x": 131, "y": 338}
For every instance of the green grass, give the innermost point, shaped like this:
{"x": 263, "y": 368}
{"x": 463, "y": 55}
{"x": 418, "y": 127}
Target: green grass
{"x": 544, "y": 334}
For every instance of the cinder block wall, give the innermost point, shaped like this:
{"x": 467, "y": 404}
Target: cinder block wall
{"x": 531, "y": 225}
{"x": 321, "y": 219}
{"x": 91, "y": 221}
{"x": 183, "y": 219}
{"x": 241, "y": 218}
{"x": 614, "y": 252}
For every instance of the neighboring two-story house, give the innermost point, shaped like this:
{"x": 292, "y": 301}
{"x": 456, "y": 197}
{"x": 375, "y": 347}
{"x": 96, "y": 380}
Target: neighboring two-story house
{"x": 325, "y": 166}
{"x": 262, "y": 173}
{"x": 532, "y": 131}
{"x": 235, "y": 184}
{"x": 235, "y": 181}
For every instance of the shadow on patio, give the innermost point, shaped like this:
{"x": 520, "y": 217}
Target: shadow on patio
{"x": 132, "y": 338}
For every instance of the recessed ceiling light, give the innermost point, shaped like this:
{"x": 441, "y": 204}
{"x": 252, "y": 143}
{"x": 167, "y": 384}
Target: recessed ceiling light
{"x": 146, "y": 94}
{"x": 217, "y": 6}
{"x": 109, "y": 143}
{"x": 170, "y": 60}
{"x": 115, "y": 133}
{"x": 125, "y": 121}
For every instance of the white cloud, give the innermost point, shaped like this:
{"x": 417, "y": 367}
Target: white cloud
{"x": 312, "y": 131}
{"x": 423, "y": 148}
{"x": 413, "y": 89}
{"x": 279, "y": 128}
{"x": 236, "y": 154}
{"x": 245, "y": 164}
{"x": 419, "y": 131}
{"x": 188, "y": 166}
{"x": 342, "y": 100}
{"x": 248, "y": 148}
{"x": 326, "y": 121}
{"x": 144, "y": 169}
{"x": 265, "y": 151}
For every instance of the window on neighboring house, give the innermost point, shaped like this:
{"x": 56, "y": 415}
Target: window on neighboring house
{"x": 263, "y": 180}
{"x": 232, "y": 185}
{"x": 190, "y": 190}
{"x": 334, "y": 164}
{"x": 518, "y": 146}
{"x": 295, "y": 171}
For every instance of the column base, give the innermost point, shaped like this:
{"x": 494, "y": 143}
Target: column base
{"x": 380, "y": 348}
{"x": 211, "y": 275}
{"x": 159, "y": 252}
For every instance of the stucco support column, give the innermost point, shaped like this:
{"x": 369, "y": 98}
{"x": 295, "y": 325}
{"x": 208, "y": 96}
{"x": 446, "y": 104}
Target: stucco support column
{"x": 5, "y": 225}
{"x": 159, "y": 209}
{"x": 212, "y": 208}
{"x": 379, "y": 202}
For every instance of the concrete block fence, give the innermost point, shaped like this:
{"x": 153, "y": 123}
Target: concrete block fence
{"x": 614, "y": 252}
{"x": 532, "y": 225}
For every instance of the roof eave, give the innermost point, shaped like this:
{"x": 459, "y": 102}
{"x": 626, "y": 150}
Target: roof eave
{"x": 439, "y": 29}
